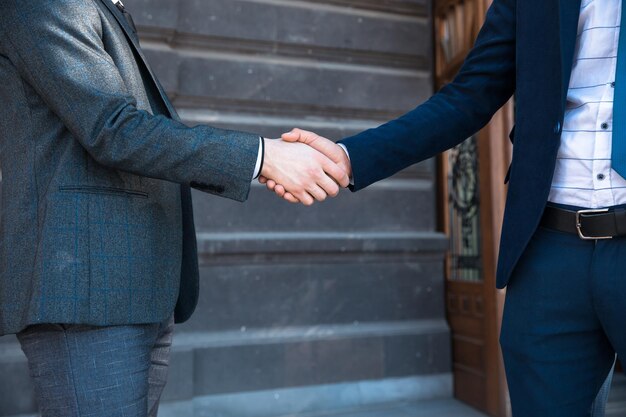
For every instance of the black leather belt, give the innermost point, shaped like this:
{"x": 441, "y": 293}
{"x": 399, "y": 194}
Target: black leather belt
{"x": 587, "y": 224}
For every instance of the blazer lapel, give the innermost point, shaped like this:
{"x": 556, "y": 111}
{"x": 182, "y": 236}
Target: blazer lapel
{"x": 569, "y": 13}
{"x": 134, "y": 43}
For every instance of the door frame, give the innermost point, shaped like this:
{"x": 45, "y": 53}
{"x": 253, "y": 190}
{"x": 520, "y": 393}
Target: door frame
{"x": 494, "y": 155}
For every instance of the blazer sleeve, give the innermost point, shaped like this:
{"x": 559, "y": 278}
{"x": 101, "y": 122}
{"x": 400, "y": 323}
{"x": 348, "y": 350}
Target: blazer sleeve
{"x": 57, "y": 47}
{"x": 484, "y": 83}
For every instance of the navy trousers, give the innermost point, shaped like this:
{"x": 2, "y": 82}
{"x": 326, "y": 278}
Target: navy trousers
{"x": 564, "y": 320}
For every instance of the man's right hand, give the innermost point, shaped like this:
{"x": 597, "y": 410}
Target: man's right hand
{"x": 303, "y": 172}
{"x": 325, "y": 146}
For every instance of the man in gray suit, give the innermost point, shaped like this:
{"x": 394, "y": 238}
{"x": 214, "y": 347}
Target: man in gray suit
{"x": 97, "y": 241}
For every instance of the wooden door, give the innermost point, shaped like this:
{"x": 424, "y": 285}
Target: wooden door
{"x": 472, "y": 196}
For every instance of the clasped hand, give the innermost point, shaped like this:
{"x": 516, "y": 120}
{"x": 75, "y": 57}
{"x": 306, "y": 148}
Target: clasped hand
{"x": 303, "y": 167}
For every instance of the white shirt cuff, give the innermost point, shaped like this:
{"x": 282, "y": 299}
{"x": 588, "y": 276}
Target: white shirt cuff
{"x": 348, "y": 155}
{"x": 259, "y": 158}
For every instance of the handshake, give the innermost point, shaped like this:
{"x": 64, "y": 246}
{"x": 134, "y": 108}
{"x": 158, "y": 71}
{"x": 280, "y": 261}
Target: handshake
{"x": 303, "y": 167}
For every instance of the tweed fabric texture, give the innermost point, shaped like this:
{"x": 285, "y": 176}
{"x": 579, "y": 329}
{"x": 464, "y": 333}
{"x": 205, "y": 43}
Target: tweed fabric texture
{"x": 113, "y": 371}
{"x": 95, "y": 211}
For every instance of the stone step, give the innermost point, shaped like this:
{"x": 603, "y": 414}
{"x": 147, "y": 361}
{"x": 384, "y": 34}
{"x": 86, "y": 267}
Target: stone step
{"x": 431, "y": 408}
{"x": 367, "y": 398}
{"x": 386, "y": 207}
{"x": 428, "y": 408}
{"x": 16, "y": 391}
{"x": 617, "y": 399}
{"x": 260, "y": 359}
{"x": 307, "y": 291}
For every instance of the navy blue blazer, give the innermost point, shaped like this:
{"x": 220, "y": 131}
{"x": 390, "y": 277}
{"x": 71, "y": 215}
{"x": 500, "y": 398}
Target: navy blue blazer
{"x": 525, "y": 47}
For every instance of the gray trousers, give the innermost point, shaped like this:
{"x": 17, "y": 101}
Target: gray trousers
{"x": 88, "y": 371}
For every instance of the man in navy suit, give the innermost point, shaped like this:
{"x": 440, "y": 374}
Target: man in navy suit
{"x": 563, "y": 247}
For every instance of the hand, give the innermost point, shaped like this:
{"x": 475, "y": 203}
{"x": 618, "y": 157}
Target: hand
{"x": 303, "y": 172}
{"x": 333, "y": 151}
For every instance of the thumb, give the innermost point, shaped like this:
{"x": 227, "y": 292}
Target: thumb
{"x": 312, "y": 139}
{"x": 299, "y": 135}
{"x": 292, "y": 136}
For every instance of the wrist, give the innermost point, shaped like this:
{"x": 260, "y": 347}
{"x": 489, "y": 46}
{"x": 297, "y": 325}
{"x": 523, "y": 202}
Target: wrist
{"x": 268, "y": 151}
{"x": 345, "y": 160}
{"x": 348, "y": 166}
{"x": 261, "y": 157}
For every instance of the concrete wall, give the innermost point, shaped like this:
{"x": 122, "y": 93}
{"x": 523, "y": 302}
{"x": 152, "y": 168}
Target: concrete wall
{"x": 301, "y": 309}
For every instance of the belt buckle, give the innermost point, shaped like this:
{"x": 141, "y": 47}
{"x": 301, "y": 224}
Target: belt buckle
{"x": 580, "y": 214}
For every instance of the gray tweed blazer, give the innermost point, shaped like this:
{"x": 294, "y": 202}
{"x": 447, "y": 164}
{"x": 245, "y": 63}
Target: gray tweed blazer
{"x": 96, "y": 224}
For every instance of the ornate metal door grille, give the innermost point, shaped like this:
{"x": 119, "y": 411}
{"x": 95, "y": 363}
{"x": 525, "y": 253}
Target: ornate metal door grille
{"x": 465, "y": 239}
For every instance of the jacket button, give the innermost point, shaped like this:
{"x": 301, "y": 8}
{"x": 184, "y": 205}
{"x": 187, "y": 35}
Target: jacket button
{"x": 557, "y": 128}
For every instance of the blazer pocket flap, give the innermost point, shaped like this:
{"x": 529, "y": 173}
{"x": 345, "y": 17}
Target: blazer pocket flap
{"x": 97, "y": 189}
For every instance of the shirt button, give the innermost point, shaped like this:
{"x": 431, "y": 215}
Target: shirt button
{"x": 557, "y": 128}
{"x": 604, "y": 126}
{"x": 601, "y": 177}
